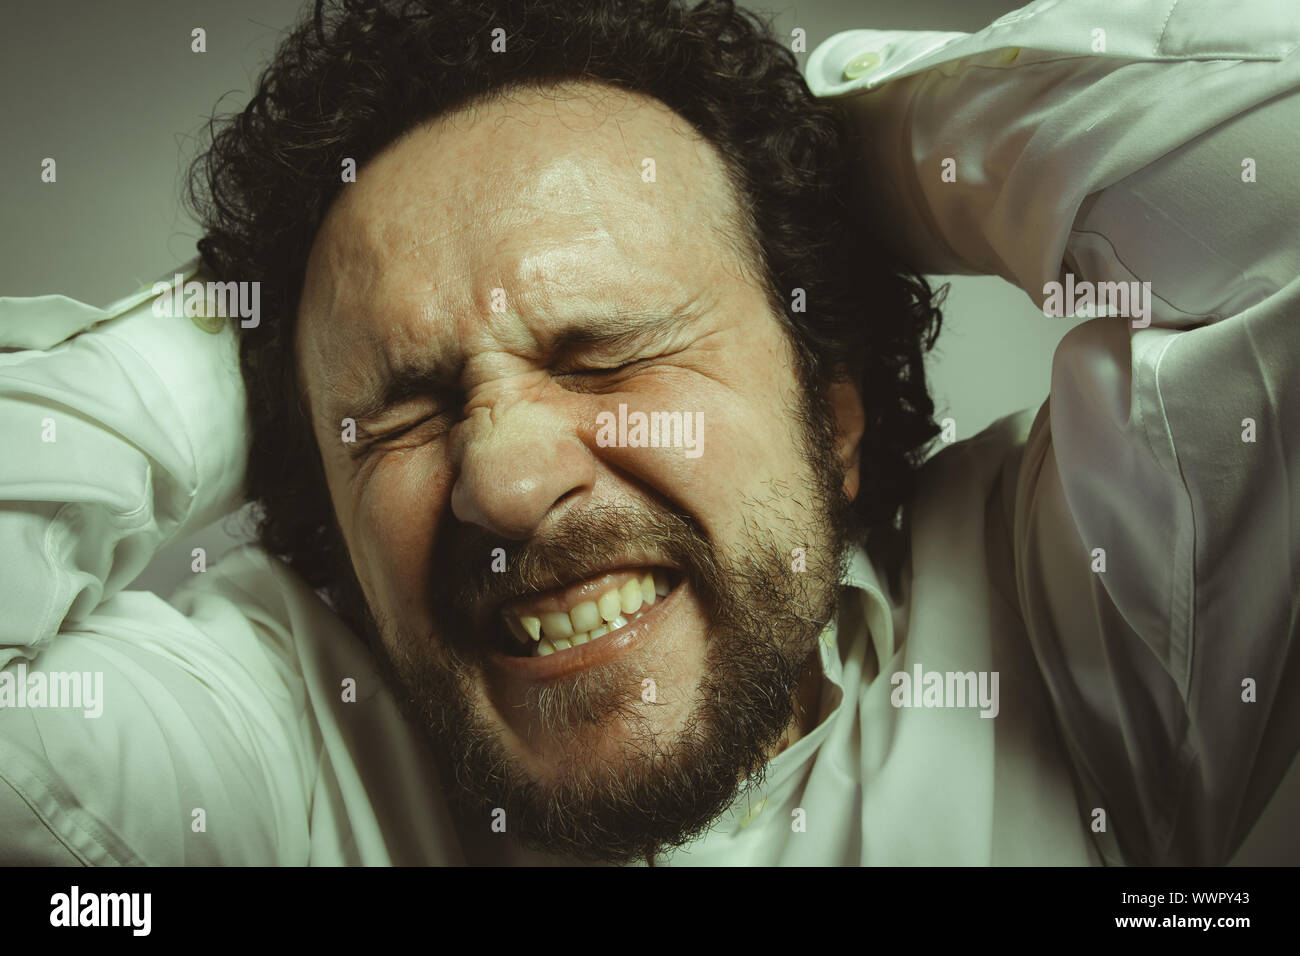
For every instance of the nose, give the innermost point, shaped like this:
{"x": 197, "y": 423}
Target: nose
{"x": 517, "y": 460}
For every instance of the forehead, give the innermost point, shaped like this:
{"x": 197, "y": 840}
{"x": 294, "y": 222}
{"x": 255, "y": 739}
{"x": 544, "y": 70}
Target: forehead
{"x": 571, "y": 200}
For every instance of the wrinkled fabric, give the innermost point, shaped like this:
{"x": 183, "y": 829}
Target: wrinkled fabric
{"x": 1123, "y": 732}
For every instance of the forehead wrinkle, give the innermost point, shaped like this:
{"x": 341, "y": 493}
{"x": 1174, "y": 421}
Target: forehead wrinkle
{"x": 382, "y": 236}
{"x": 560, "y": 188}
{"x": 551, "y": 306}
{"x": 557, "y": 178}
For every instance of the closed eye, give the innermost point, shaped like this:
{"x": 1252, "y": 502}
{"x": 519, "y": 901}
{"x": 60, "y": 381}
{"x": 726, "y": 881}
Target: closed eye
{"x": 598, "y": 371}
{"x": 601, "y": 371}
{"x": 582, "y": 379}
{"x": 388, "y": 438}
{"x": 405, "y": 428}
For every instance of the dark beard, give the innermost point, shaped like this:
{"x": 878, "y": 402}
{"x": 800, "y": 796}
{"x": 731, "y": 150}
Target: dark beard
{"x": 764, "y": 622}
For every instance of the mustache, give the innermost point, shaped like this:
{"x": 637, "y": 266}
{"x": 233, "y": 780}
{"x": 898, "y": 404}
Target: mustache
{"x": 476, "y": 572}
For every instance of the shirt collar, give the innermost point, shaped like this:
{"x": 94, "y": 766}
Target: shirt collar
{"x": 860, "y": 582}
{"x": 861, "y": 576}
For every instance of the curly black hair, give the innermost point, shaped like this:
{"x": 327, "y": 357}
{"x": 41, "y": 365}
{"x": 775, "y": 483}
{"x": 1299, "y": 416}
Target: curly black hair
{"x": 356, "y": 74}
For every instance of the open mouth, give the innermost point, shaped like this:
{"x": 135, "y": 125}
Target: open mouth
{"x": 591, "y": 610}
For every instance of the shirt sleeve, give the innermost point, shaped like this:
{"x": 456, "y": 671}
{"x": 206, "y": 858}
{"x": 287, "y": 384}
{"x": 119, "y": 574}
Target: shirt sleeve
{"x": 1157, "y": 506}
{"x": 237, "y": 722}
{"x": 122, "y": 430}
{"x": 163, "y": 735}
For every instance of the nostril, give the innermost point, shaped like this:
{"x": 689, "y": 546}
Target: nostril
{"x": 569, "y": 498}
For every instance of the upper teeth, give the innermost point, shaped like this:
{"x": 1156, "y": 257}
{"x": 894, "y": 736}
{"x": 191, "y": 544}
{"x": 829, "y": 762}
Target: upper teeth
{"x": 560, "y": 630}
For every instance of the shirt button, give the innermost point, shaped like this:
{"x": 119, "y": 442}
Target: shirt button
{"x": 861, "y": 64}
{"x": 209, "y": 323}
{"x": 754, "y": 811}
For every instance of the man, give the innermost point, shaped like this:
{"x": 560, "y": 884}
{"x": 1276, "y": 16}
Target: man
{"x": 486, "y": 242}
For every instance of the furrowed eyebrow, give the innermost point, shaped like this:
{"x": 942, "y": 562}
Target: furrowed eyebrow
{"x": 617, "y": 331}
{"x": 402, "y": 383}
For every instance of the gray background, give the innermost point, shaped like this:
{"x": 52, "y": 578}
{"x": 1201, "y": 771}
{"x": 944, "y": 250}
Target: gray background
{"x": 113, "y": 92}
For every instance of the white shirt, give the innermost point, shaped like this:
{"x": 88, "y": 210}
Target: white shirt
{"x": 1120, "y": 691}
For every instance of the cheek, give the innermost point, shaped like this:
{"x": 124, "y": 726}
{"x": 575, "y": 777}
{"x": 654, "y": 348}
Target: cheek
{"x": 392, "y": 532}
{"x": 755, "y": 459}
{"x": 745, "y": 438}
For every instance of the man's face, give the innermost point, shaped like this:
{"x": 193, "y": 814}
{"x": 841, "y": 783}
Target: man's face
{"x": 491, "y": 284}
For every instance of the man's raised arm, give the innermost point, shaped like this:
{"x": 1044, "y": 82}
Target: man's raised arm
{"x": 116, "y": 440}
{"x": 1136, "y": 160}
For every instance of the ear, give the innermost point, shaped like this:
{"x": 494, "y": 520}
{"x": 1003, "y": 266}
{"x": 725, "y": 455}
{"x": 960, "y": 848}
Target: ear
{"x": 850, "y": 421}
